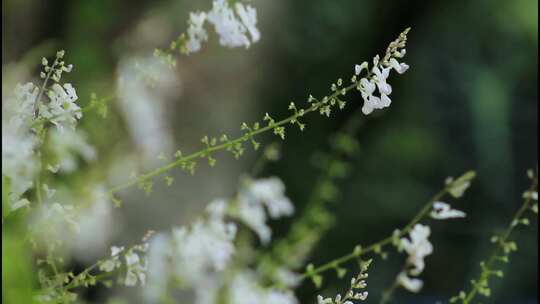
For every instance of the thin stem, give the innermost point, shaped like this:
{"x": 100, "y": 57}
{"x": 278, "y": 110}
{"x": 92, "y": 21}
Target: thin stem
{"x": 350, "y": 127}
{"x": 38, "y": 190}
{"x": 223, "y": 146}
{"x": 42, "y": 135}
{"x": 260, "y": 163}
{"x": 387, "y": 294}
{"x": 502, "y": 240}
{"x": 44, "y": 87}
{"x": 378, "y": 245}
{"x": 76, "y": 280}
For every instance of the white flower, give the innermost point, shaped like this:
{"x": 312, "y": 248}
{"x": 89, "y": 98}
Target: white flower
{"x": 206, "y": 247}
{"x": 136, "y": 269}
{"x": 131, "y": 279}
{"x": 158, "y": 254}
{"x": 113, "y": 262}
{"x": 116, "y": 250}
{"x": 245, "y": 289}
{"x": 19, "y": 161}
{"x": 258, "y": 194}
{"x": 411, "y": 284}
{"x": 287, "y": 277}
{"x": 271, "y": 193}
{"x": 321, "y": 300}
{"x": 95, "y": 222}
{"x": 131, "y": 259}
{"x": 196, "y": 32}
{"x": 359, "y": 67}
{"x": 380, "y": 72}
{"x": 231, "y": 25}
{"x": 380, "y": 76}
{"x": 231, "y": 31}
{"x": 62, "y": 110}
{"x": 144, "y": 108}
{"x": 20, "y": 109}
{"x": 248, "y": 15}
{"x": 280, "y": 297}
{"x": 442, "y": 211}
{"x": 418, "y": 247}
{"x": 399, "y": 67}
{"x": 400, "y": 54}
{"x": 68, "y": 145}
{"x": 370, "y": 102}
{"x": 254, "y": 217}
{"x": 217, "y": 208}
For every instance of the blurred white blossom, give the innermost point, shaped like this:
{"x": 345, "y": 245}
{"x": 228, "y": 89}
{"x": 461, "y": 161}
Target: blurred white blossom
{"x": 442, "y": 211}
{"x": 411, "y": 284}
{"x": 143, "y": 105}
{"x": 205, "y": 247}
{"x": 67, "y": 146}
{"x": 244, "y": 289}
{"x": 258, "y": 194}
{"x": 418, "y": 247}
{"x": 19, "y": 161}
{"x": 96, "y": 223}
{"x": 236, "y": 26}
{"x": 196, "y": 32}
{"x": 201, "y": 254}
{"x": 157, "y": 273}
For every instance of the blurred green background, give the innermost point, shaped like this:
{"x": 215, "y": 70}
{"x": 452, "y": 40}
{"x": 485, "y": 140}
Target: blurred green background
{"x": 469, "y": 101}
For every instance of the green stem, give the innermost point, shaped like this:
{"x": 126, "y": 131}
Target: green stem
{"x": 378, "y": 245}
{"x": 223, "y": 146}
{"x": 502, "y": 240}
{"x": 44, "y": 87}
{"x": 387, "y": 294}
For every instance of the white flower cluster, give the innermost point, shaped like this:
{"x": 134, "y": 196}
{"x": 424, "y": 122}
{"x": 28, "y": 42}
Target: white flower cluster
{"x": 61, "y": 110}
{"x": 443, "y": 211}
{"x": 418, "y": 247}
{"x": 205, "y": 248}
{"x": 353, "y": 294}
{"x": 67, "y": 147}
{"x": 23, "y": 114}
{"x": 81, "y": 220}
{"x": 245, "y": 290}
{"x": 139, "y": 101}
{"x": 377, "y": 77}
{"x": 232, "y": 26}
{"x": 134, "y": 261}
{"x": 252, "y": 200}
{"x": 201, "y": 255}
{"x": 19, "y": 163}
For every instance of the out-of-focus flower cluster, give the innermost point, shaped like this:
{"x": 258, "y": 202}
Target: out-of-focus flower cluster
{"x": 202, "y": 255}
{"x": 235, "y": 25}
{"x": 26, "y": 116}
